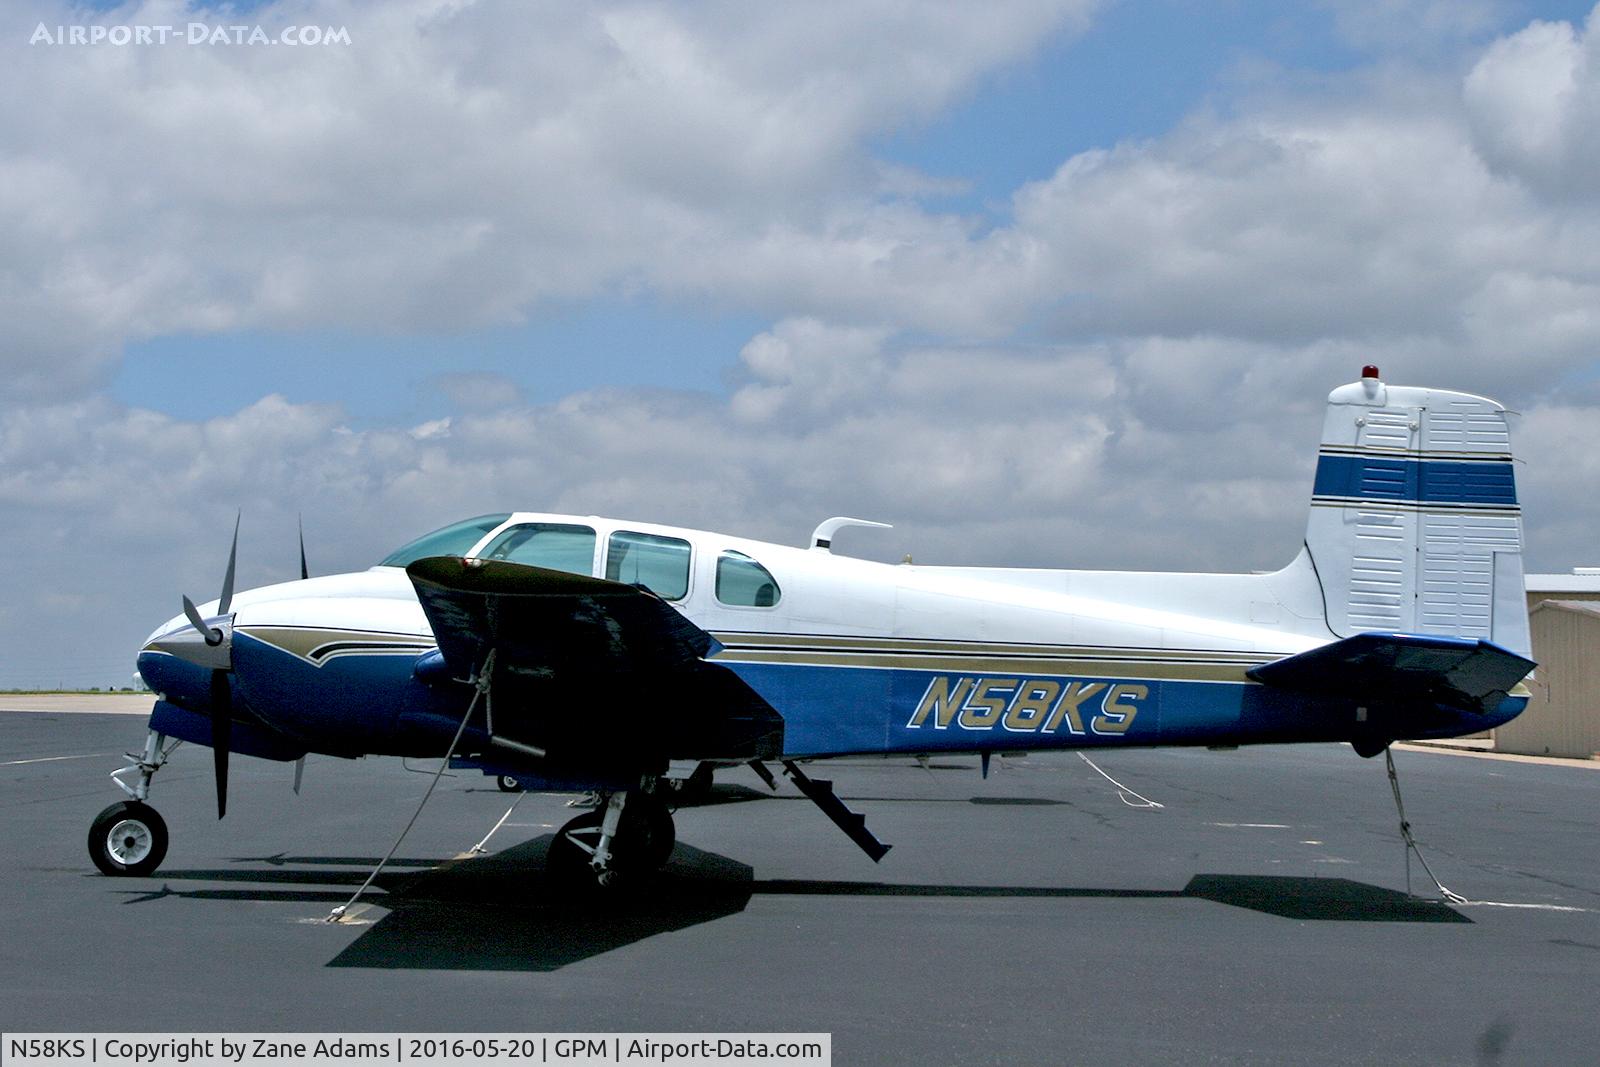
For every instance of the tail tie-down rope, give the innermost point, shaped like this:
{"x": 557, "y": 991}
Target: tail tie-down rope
{"x": 1411, "y": 842}
{"x": 1450, "y": 897}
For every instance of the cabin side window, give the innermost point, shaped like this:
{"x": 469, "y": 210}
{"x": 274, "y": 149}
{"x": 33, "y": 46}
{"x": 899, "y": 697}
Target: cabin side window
{"x": 660, "y": 564}
{"x": 744, "y": 583}
{"x": 558, "y": 546}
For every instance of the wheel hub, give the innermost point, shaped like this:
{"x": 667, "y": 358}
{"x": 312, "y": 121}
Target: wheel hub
{"x": 129, "y": 841}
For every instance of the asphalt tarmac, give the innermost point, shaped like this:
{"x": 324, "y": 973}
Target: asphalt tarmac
{"x": 1039, "y": 916}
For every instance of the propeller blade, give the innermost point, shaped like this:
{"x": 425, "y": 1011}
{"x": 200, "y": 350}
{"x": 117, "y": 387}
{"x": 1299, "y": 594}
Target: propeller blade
{"x": 299, "y": 769}
{"x": 221, "y": 735}
{"x": 197, "y": 622}
{"x": 305, "y": 572}
{"x": 227, "y": 579}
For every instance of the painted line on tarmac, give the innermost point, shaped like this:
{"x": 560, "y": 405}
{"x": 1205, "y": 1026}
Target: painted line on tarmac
{"x": 1503, "y": 757}
{"x": 1527, "y": 907}
{"x": 87, "y": 706}
{"x": 53, "y": 759}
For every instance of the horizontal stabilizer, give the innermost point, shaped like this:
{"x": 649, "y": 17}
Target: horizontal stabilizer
{"x": 1473, "y": 675}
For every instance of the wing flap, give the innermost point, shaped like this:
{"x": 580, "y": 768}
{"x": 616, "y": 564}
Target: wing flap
{"x": 587, "y": 666}
{"x": 1473, "y": 675}
{"x": 540, "y": 618}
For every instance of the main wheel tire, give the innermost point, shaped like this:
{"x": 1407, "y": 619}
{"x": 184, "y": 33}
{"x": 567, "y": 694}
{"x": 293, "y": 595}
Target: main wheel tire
{"x": 651, "y": 826}
{"x": 129, "y": 838}
{"x": 508, "y": 784}
{"x": 566, "y": 865}
{"x": 643, "y": 842}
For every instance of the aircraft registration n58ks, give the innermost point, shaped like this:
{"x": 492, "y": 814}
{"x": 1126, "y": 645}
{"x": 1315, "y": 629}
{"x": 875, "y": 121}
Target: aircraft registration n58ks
{"x": 581, "y": 653}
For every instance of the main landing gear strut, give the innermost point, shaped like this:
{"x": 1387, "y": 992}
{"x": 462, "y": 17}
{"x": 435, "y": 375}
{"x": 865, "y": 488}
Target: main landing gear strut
{"x": 631, "y": 832}
{"x": 130, "y": 837}
{"x": 627, "y": 836}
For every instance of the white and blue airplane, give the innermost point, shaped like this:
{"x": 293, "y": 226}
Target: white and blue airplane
{"x": 582, "y": 653}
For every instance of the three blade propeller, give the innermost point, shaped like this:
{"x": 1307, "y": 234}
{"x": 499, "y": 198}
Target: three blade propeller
{"x": 215, "y": 650}
{"x": 220, "y": 638}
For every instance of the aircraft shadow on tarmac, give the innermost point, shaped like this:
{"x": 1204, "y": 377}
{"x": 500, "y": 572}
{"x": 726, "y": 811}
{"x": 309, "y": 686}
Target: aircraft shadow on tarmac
{"x": 496, "y": 913}
{"x": 1319, "y": 899}
{"x": 492, "y": 914}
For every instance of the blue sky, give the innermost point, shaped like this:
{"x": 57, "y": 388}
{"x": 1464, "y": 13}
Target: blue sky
{"x": 1042, "y": 282}
{"x": 380, "y": 378}
{"x": 1137, "y": 72}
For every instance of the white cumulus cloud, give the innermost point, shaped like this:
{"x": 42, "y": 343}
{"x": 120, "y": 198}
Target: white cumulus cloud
{"x": 1125, "y": 369}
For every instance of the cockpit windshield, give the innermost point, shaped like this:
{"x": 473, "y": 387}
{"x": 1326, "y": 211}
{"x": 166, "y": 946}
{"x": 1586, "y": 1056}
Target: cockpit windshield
{"x": 453, "y": 540}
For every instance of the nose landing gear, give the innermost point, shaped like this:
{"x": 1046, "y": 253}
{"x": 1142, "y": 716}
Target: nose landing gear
{"x": 130, "y": 837}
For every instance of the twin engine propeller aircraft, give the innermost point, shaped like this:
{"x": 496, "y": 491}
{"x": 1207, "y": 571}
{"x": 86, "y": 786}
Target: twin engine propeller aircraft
{"x": 585, "y": 654}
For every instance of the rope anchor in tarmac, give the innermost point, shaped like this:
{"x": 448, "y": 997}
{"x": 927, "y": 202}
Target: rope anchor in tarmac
{"x": 1410, "y": 841}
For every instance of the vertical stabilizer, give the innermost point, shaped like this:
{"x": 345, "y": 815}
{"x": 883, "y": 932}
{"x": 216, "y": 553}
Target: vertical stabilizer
{"x": 1415, "y": 525}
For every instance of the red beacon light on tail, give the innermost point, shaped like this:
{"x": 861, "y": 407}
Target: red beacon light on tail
{"x": 1369, "y": 371}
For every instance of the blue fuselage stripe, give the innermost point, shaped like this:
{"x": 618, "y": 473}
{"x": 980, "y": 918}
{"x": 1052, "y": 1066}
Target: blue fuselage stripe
{"x": 358, "y": 704}
{"x": 831, "y": 710}
{"x": 1420, "y": 481}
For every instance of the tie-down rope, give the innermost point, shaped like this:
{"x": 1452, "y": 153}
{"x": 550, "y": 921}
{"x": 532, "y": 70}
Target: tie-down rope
{"x": 1123, "y": 792}
{"x": 1451, "y": 897}
{"x": 480, "y": 690}
{"x": 1411, "y": 842}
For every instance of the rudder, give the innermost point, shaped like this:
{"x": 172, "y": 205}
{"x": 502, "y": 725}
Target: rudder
{"x": 1415, "y": 525}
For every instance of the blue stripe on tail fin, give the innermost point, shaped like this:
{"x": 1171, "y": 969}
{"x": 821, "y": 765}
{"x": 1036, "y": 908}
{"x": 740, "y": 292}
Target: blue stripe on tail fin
{"x": 1415, "y": 525}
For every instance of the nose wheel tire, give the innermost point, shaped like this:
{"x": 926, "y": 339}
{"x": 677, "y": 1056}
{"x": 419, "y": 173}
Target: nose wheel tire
{"x": 129, "y": 838}
{"x": 508, "y": 784}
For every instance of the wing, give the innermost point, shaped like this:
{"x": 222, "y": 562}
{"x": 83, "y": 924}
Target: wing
{"x": 591, "y": 670}
{"x": 1397, "y": 668}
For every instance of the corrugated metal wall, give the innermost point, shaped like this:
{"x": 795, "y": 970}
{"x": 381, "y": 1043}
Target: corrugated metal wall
{"x": 1563, "y": 718}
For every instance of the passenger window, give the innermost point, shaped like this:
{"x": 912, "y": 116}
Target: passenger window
{"x": 546, "y": 544}
{"x": 744, "y": 583}
{"x": 660, "y": 564}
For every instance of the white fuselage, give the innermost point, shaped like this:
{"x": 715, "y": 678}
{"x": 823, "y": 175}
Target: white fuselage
{"x": 1272, "y": 614}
